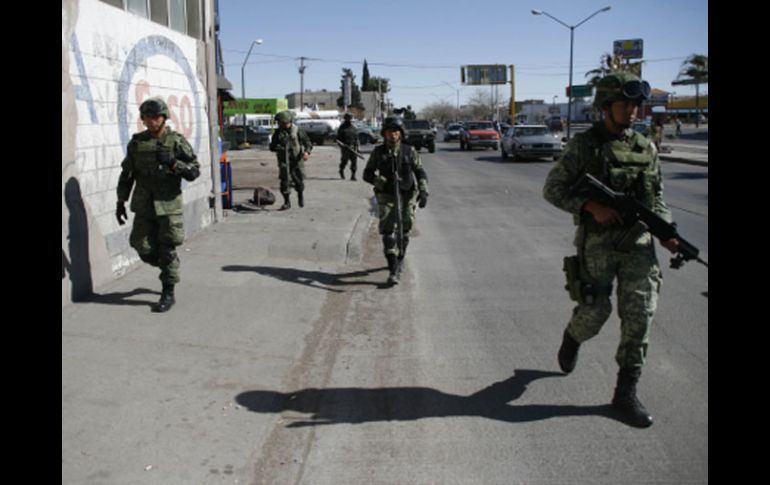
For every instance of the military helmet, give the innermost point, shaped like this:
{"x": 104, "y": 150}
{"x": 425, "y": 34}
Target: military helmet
{"x": 393, "y": 123}
{"x": 284, "y": 117}
{"x": 153, "y": 107}
{"x": 348, "y": 116}
{"x": 619, "y": 86}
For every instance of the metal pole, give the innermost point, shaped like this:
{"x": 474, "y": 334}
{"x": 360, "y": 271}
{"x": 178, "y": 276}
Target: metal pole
{"x": 569, "y": 102}
{"x": 243, "y": 83}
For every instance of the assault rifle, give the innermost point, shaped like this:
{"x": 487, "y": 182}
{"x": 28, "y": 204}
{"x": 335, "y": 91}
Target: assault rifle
{"x": 636, "y": 214}
{"x": 397, "y": 190}
{"x": 348, "y": 147}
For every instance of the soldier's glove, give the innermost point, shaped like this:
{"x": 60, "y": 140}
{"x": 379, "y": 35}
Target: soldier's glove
{"x": 163, "y": 156}
{"x": 379, "y": 183}
{"x": 422, "y": 199}
{"x": 120, "y": 213}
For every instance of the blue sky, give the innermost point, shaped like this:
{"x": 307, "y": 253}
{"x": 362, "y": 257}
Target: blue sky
{"x": 396, "y": 36}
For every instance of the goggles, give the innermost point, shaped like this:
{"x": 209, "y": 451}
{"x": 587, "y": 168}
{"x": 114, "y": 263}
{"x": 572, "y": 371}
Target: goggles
{"x": 636, "y": 89}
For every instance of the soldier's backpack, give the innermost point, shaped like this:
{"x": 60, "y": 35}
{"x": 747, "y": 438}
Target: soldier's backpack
{"x": 263, "y": 196}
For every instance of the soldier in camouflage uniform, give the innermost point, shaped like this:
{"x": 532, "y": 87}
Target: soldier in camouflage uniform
{"x": 157, "y": 160}
{"x": 607, "y": 248}
{"x": 288, "y": 135}
{"x": 348, "y": 134}
{"x": 388, "y": 161}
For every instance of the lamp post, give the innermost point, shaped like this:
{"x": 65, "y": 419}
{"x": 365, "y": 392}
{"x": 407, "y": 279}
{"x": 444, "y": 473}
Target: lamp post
{"x": 243, "y": 84}
{"x": 571, "y": 44}
{"x": 457, "y": 111}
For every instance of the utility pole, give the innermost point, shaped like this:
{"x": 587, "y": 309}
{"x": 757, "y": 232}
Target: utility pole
{"x": 301, "y": 83}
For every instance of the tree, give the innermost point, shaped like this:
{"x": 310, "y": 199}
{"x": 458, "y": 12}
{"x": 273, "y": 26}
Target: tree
{"x": 695, "y": 70}
{"x": 608, "y": 63}
{"x": 355, "y": 95}
{"x": 442, "y": 111}
{"x": 365, "y": 78}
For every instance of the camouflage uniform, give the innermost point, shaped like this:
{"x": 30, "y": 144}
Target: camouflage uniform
{"x": 298, "y": 142}
{"x": 157, "y": 201}
{"x": 348, "y": 134}
{"x": 626, "y": 162}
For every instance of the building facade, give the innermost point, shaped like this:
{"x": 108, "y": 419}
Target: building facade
{"x": 116, "y": 54}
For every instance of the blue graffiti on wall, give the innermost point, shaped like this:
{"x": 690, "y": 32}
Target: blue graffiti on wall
{"x": 154, "y": 45}
{"x": 82, "y": 90}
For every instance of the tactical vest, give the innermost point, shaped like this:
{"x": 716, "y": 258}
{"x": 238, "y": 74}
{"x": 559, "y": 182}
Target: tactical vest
{"x": 290, "y": 138}
{"x": 627, "y": 167}
{"x": 158, "y": 191}
{"x": 405, "y": 163}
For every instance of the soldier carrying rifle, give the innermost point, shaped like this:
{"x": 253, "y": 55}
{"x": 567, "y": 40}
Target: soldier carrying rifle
{"x": 400, "y": 184}
{"x": 607, "y": 246}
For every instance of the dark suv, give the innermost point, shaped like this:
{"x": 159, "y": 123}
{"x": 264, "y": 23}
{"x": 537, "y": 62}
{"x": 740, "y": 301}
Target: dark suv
{"x": 419, "y": 133}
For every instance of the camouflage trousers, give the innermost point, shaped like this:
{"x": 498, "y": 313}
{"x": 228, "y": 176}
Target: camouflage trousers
{"x": 638, "y": 278}
{"x": 155, "y": 238}
{"x": 295, "y": 178}
{"x": 386, "y": 206}
{"x": 347, "y": 156}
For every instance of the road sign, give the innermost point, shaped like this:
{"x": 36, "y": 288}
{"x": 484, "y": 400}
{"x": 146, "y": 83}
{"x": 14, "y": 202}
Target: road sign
{"x": 483, "y": 74}
{"x": 255, "y": 106}
{"x": 628, "y": 49}
{"x": 580, "y": 90}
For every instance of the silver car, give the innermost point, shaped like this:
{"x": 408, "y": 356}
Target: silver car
{"x": 530, "y": 141}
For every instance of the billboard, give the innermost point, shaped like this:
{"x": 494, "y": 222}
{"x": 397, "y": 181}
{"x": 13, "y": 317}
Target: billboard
{"x": 483, "y": 74}
{"x": 628, "y": 49}
{"x": 269, "y": 106}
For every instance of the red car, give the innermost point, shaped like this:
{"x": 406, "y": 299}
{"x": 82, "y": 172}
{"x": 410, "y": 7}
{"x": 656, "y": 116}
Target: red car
{"x": 479, "y": 134}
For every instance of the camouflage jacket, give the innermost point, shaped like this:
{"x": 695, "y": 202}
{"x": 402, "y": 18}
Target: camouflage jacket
{"x": 409, "y": 167}
{"x": 295, "y": 138}
{"x": 158, "y": 188}
{"x": 626, "y": 164}
{"x": 348, "y": 134}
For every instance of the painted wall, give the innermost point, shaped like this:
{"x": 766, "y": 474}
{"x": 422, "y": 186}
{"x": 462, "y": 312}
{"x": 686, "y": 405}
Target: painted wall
{"x": 111, "y": 62}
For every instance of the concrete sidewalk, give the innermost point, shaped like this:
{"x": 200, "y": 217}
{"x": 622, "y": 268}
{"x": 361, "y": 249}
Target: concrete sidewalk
{"x": 149, "y": 398}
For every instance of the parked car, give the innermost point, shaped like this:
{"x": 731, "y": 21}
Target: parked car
{"x": 533, "y": 141}
{"x": 452, "y": 131}
{"x": 255, "y": 135}
{"x": 479, "y": 134}
{"x": 366, "y": 134}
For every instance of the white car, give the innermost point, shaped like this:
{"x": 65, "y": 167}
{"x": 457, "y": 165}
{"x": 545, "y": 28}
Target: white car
{"x": 530, "y": 141}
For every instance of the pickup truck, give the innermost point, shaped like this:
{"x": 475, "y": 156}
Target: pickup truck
{"x": 319, "y": 131}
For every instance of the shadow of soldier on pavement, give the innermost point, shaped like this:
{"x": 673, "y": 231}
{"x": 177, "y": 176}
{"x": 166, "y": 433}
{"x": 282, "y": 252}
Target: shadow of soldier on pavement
{"x": 357, "y": 405}
{"x": 313, "y": 279}
{"x": 123, "y": 298}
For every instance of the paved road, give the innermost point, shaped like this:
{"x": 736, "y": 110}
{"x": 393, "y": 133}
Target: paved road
{"x": 288, "y": 361}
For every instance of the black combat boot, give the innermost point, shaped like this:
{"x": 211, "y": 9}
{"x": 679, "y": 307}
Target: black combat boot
{"x": 352, "y": 175}
{"x": 625, "y": 402}
{"x": 300, "y": 199}
{"x": 392, "y": 268}
{"x": 342, "y": 173}
{"x": 166, "y": 300}
{"x": 568, "y": 353}
{"x": 286, "y": 202}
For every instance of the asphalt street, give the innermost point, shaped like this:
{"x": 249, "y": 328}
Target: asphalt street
{"x": 287, "y": 360}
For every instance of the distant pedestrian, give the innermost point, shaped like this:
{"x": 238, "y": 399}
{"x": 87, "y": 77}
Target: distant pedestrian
{"x": 678, "y": 124}
{"x": 157, "y": 160}
{"x": 657, "y": 133}
{"x": 290, "y": 141}
{"x": 348, "y": 134}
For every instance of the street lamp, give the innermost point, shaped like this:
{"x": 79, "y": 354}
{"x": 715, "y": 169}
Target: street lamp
{"x": 457, "y": 111}
{"x": 571, "y": 44}
{"x": 243, "y": 84}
